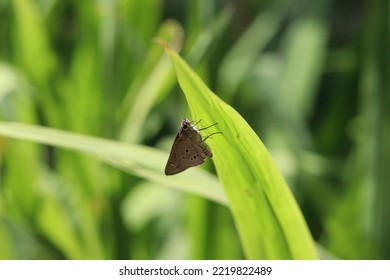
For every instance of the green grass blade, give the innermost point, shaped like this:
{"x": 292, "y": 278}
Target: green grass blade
{"x": 153, "y": 82}
{"x": 269, "y": 221}
{"x": 242, "y": 55}
{"x": 31, "y": 41}
{"x": 136, "y": 159}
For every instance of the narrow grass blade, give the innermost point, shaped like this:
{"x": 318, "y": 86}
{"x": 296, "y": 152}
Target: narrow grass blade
{"x": 136, "y": 159}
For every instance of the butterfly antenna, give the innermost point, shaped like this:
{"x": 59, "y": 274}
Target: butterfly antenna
{"x": 207, "y": 126}
{"x": 197, "y": 123}
{"x": 218, "y": 132}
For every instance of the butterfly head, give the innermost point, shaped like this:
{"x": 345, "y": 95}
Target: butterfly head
{"x": 187, "y": 124}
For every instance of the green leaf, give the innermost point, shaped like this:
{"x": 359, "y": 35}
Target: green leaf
{"x": 140, "y": 160}
{"x": 268, "y": 219}
{"x": 153, "y": 81}
{"x": 31, "y": 41}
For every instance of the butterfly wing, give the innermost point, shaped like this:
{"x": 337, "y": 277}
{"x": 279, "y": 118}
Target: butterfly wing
{"x": 185, "y": 153}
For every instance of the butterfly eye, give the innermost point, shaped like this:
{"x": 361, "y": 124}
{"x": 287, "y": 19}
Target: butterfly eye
{"x": 185, "y": 126}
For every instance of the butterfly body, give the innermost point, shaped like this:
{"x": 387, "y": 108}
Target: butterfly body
{"x": 188, "y": 149}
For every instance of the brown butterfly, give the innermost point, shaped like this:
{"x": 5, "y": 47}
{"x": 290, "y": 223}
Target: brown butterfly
{"x": 188, "y": 149}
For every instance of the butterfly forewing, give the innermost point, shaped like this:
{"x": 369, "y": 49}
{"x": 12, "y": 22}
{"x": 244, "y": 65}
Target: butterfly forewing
{"x": 184, "y": 154}
{"x": 188, "y": 149}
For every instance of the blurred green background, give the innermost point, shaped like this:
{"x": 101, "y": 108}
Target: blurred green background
{"x": 312, "y": 78}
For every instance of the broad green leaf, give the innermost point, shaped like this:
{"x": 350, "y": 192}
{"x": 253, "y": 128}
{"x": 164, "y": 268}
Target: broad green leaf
{"x": 268, "y": 219}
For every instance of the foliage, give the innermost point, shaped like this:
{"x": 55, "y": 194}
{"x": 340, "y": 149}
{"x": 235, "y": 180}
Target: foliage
{"x": 89, "y": 107}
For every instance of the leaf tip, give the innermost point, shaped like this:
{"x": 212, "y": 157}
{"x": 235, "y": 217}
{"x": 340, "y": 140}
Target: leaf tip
{"x": 162, "y": 43}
